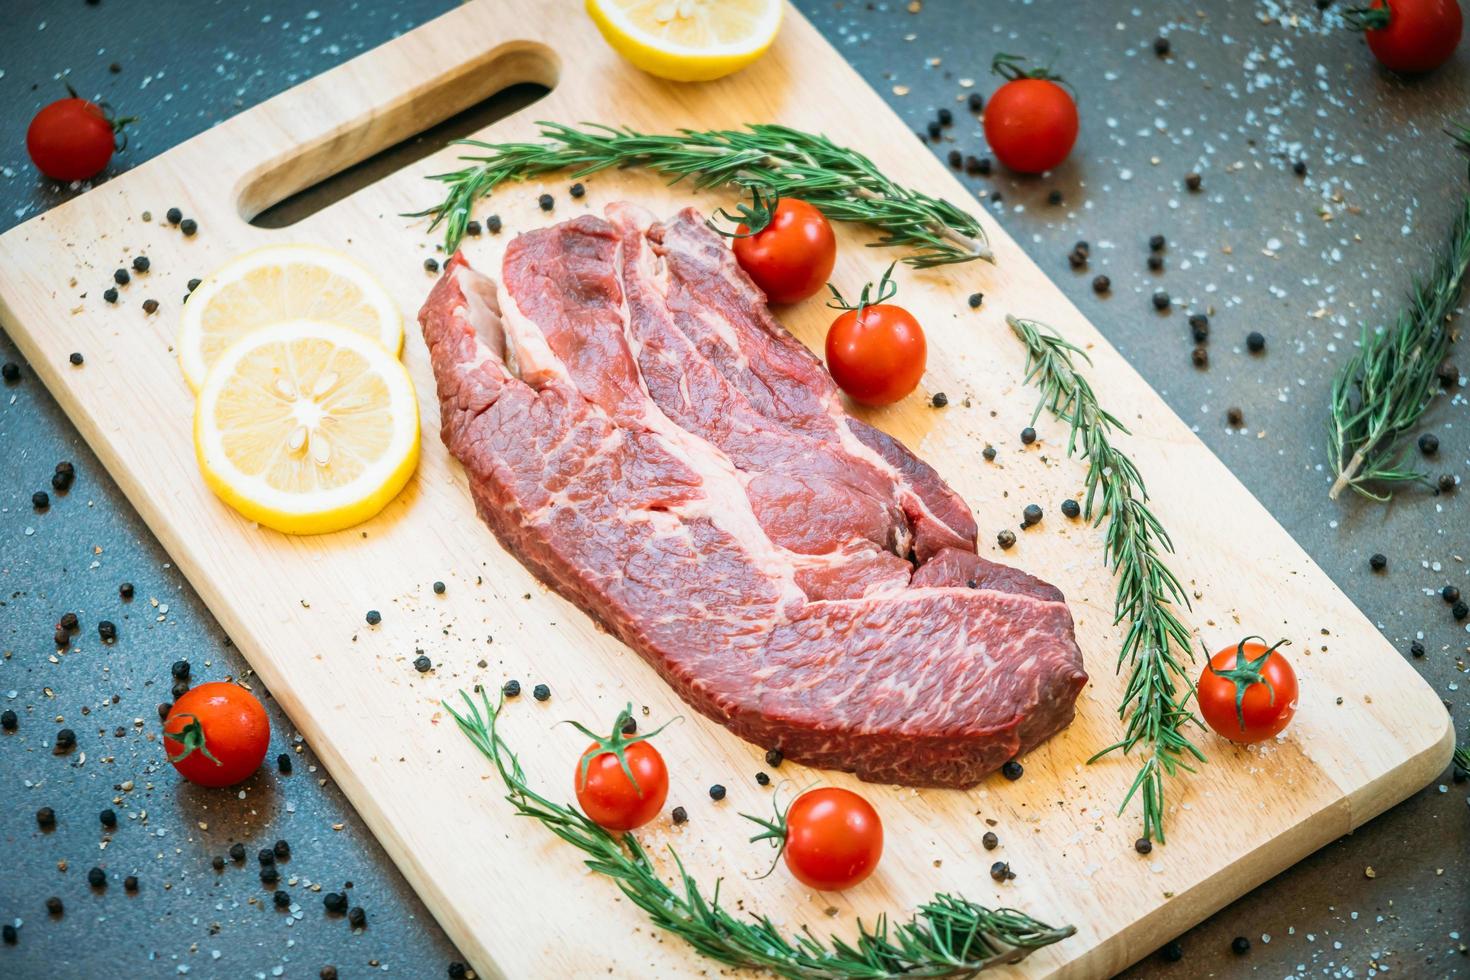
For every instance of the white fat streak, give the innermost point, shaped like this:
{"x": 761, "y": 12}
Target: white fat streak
{"x": 480, "y": 314}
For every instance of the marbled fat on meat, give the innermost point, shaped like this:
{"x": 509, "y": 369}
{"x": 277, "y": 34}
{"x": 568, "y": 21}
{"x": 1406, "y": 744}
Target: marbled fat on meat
{"x": 644, "y": 436}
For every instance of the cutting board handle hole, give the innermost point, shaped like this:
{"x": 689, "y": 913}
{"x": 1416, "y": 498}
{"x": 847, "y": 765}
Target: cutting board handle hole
{"x": 346, "y": 157}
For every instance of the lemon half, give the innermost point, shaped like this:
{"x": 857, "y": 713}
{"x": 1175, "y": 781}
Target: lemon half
{"x": 688, "y": 40}
{"x": 307, "y": 427}
{"x": 282, "y": 282}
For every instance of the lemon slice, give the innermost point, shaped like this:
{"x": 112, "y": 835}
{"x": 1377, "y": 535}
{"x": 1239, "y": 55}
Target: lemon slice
{"x": 306, "y": 427}
{"x": 688, "y": 40}
{"x": 282, "y": 282}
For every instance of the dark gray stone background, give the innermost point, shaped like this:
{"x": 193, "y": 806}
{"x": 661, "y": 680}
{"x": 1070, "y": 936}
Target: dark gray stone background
{"x": 1251, "y": 86}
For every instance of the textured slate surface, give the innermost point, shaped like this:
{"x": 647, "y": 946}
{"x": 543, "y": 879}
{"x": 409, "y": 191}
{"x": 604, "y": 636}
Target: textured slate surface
{"x": 1250, "y": 87}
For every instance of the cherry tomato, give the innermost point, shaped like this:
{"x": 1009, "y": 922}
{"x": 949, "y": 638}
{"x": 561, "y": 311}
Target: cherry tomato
{"x": 876, "y": 352}
{"x": 621, "y": 781}
{"x": 216, "y": 734}
{"x": 831, "y": 838}
{"x": 792, "y": 256}
{"x": 72, "y": 139}
{"x": 1248, "y": 692}
{"x": 1412, "y": 36}
{"x": 1030, "y": 121}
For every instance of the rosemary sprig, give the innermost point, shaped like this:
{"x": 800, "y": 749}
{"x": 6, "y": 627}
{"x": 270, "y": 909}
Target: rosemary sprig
{"x": 1462, "y": 757}
{"x": 1154, "y": 701}
{"x": 1389, "y": 382}
{"x": 841, "y": 183}
{"x": 948, "y": 936}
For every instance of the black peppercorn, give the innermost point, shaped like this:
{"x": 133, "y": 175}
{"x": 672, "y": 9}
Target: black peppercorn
{"x": 939, "y": 399}
{"x": 121, "y": 277}
{"x": 1446, "y": 372}
{"x": 977, "y": 166}
{"x": 1240, "y": 945}
{"x": 328, "y": 973}
{"x": 180, "y": 688}
{"x": 75, "y": 357}
{"x": 944, "y": 116}
{"x": 140, "y": 263}
{"x": 125, "y": 590}
{"x": 492, "y": 224}
{"x": 281, "y": 849}
{"x": 68, "y": 621}
{"x": 1200, "y": 356}
{"x": 1101, "y": 284}
{"x": 97, "y": 878}
{"x": 1012, "y": 770}
{"x": 975, "y": 102}
{"x": 281, "y": 899}
{"x": 422, "y": 664}
{"x": 150, "y": 306}
{"x": 472, "y": 228}
{"x": 774, "y": 758}
{"x": 1082, "y": 248}
{"x": 1001, "y": 871}
{"x": 266, "y": 856}
{"x": 457, "y": 971}
{"x": 1446, "y": 482}
{"x": 1071, "y": 508}
{"x": 956, "y": 159}
{"x": 431, "y": 264}
{"x": 54, "y": 906}
{"x": 989, "y": 453}
{"x": 164, "y": 707}
{"x": 130, "y": 883}
{"x": 40, "y": 500}
{"x": 1460, "y": 610}
{"x": 10, "y": 371}
{"x": 180, "y": 669}
{"x": 108, "y": 817}
{"x": 1077, "y": 260}
{"x": 630, "y": 726}
{"x": 1192, "y": 181}
{"x": 1028, "y": 436}
{"x": 1173, "y": 952}
{"x": 269, "y": 875}
{"x": 1234, "y": 417}
{"x": 717, "y": 792}
{"x": 1199, "y": 327}
{"x": 1161, "y": 46}
{"x": 1378, "y": 562}
{"x": 237, "y": 852}
{"x": 1299, "y": 168}
{"x": 512, "y": 689}
{"x": 1255, "y": 341}
{"x": 1161, "y": 300}
{"x": 66, "y": 739}
{"x": 188, "y": 226}
{"x": 932, "y": 128}
{"x": 1156, "y": 243}
{"x": 990, "y": 842}
{"x": 1143, "y": 845}
{"x": 46, "y": 817}
{"x": 1450, "y": 594}
{"x": 1155, "y": 263}
{"x": 1429, "y": 444}
{"x": 194, "y": 284}
{"x": 335, "y": 902}
{"x": 541, "y": 692}
{"x": 9, "y": 934}
{"x": 975, "y": 300}
{"x": 106, "y": 630}
{"x": 680, "y": 815}
{"x": 1416, "y": 649}
{"x": 9, "y": 720}
{"x": 174, "y": 216}
{"x": 283, "y": 763}
{"x": 1054, "y": 198}
{"x": 546, "y": 201}
{"x": 61, "y": 482}
{"x": 1031, "y": 515}
{"x": 438, "y": 588}
{"x": 1006, "y": 539}
{"x": 762, "y": 779}
{"x": 356, "y": 917}
{"x": 374, "y": 617}
{"x": 62, "y": 638}
{"x": 577, "y": 190}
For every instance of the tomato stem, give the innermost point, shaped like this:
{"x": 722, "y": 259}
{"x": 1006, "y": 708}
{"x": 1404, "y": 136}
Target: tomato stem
{"x": 1247, "y": 672}
{"x": 775, "y": 830}
{"x": 887, "y": 289}
{"x": 191, "y": 737}
{"x": 1008, "y": 66}
{"x": 1367, "y": 18}
{"x": 755, "y": 216}
{"x": 617, "y": 743}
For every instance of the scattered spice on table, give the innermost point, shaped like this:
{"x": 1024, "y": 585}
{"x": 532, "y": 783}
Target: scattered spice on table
{"x": 1143, "y": 845}
{"x": 1161, "y": 300}
{"x": 717, "y": 792}
{"x": 1012, "y": 770}
{"x": 1378, "y": 562}
{"x": 97, "y": 878}
{"x": 1071, "y": 508}
{"x": 1006, "y": 539}
{"x": 512, "y": 688}
{"x": 1101, "y": 284}
{"x": 374, "y": 617}
{"x": 989, "y": 841}
{"x": 1255, "y": 341}
{"x": 422, "y": 663}
{"x": 188, "y": 226}
{"x": 546, "y": 201}
{"x": 140, "y": 263}
{"x": 541, "y": 692}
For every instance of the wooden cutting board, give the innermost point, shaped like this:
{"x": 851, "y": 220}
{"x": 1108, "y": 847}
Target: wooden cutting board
{"x": 517, "y": 901}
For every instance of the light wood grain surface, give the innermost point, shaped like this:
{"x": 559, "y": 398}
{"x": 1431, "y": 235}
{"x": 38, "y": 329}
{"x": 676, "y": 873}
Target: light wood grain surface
{"x": 1369, "y": 731}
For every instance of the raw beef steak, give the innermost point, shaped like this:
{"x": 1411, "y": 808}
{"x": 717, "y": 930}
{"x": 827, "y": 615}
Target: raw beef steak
{"x": 642, "y": 434}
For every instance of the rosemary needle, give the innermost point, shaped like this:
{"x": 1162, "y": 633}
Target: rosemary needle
{"x": 1154, "y": 700}
{"x": 840, "y": 182}
{"x": 948, "y": 936}
{"x": 1389, "y": 382}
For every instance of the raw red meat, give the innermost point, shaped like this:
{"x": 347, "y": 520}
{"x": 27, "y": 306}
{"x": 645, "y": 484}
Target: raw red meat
{"x": 645, "y": 437}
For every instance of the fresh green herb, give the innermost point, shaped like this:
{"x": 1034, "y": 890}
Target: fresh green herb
{"x": 947, "y": 937}
{"x": 1154, "y": 701}
{"x": 1389, "y": 382}
{"x": 1462, "y": 757}
{"x": 841, "y": 183}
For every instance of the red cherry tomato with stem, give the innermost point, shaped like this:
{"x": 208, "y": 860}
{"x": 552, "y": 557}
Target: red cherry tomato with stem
{"x": 785, "y": 245}
{"x": 831, "y": 838}
{"x": 216, "y": 734}
{"x": 1410, "y": 36}
{"x": 1248, "y": 693}
{"x": 621, "y": 781}
{"x": 72, "y": 139}
{"x": 1031, "y": 121}
{"x": 876, "y": 351}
